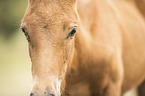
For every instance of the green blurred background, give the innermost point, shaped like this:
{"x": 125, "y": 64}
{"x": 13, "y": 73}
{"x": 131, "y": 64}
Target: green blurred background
{"x": 15, "y": 64}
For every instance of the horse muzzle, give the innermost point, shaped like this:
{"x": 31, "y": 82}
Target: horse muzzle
{"x": 45, "y": 94}
{"x": 50, "y": 87}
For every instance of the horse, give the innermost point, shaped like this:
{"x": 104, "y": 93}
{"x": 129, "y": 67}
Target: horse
{"x": 85, "y": 47}
{"x": 140, "y": 5}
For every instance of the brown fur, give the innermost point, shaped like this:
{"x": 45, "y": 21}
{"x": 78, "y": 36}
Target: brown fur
{"x": 141, "y": 6}
{"x": 105, "y": 58}
{"x": 141, "y": 89}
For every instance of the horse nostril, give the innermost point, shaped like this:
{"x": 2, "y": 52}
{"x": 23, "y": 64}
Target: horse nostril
{"x": 31, "y": 94}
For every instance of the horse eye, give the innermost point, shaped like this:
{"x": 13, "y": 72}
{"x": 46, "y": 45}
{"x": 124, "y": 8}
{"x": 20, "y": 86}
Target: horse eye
{"x": 73, "y": 31}
{"x": 23, "y": 29}
{"x": 25, "y": 33}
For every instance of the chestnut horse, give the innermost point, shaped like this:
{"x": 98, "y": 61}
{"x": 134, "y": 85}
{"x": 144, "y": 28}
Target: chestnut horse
{"x": 85, "y": 47}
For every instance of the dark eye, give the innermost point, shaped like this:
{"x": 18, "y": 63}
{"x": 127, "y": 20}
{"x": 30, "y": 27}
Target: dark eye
{"x": 25, "y": 33}
{"x": 23, "y": 29}
{"x": 73, "y": 31}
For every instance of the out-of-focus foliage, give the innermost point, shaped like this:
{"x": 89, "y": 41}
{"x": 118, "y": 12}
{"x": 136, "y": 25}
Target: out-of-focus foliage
{"x": 11, "y": 13}
{"x": 15, "y": 64}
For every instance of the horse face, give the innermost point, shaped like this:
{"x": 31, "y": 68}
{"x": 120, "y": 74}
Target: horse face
{"x": 50, "y": 26}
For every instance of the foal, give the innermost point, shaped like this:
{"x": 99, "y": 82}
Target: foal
{"x": 84, "y": 47}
